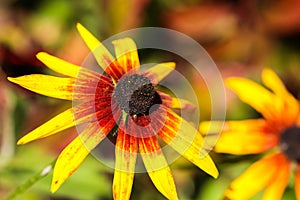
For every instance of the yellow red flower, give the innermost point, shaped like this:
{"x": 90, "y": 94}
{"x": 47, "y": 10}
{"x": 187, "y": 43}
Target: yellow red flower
{"x": 122, "y": 98}
{"x": 277, "y": 135}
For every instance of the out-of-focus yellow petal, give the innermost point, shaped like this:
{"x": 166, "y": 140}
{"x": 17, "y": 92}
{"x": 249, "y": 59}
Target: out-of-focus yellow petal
{"x": 58, "y": 65}
{"x": 297, "y": 182}
{"x": 159, "y": 72}
{"x": 258, "y": 97}
{"x": 258, "y": 176}
{"x": 176, "y": 103}
{"x": 276, "y": 188}
{"x": 290, "y": 106}
{"x": 186, "y": 140}
{"x": 79, "y": 114}
{"x": 241, "y": 137}
{"x": 102, "y": 55}
{"x": 154, "y": 159}
{"x": 272, "y": 81}
{"x": 61, "y": 88}
{"x": 73, "y": 155}
{"x": 126, "y": 154}
{"x": 126, "y": 53}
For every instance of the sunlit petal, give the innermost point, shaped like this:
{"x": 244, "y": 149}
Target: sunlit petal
{"x": 256, "y": 96}
{"x": 102, "y": 55}
{"x": 290, "y": 106}
{"x": 64, "y": 88}
{"x": 126, "y": 154}
{"x": 73, "y": 155}
{"x": 61, "y": 88}
{"x": 276, "y": 188}
{"x": 69, "y": 118}
{"x": 68, "y": 69}
{"x": 159, "y": 72}
{"x": 241, "y": 137}
{"x": 157, "y": 167}
{"x": 59, "y": 65}
{"x": 176, "y": 103}
{"x": 272, "y": 81}
{"x": 258, "y": 176}
{"x": 186, "y": 140}
{"x": 126, "y": 53}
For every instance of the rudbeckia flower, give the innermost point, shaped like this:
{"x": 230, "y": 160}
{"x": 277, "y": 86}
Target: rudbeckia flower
{"x": 276, "y": 136}
{"x": 124, "y": 99}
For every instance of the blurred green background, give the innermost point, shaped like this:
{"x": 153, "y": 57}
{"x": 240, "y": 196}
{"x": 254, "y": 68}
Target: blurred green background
{"x": 242, "y": 37}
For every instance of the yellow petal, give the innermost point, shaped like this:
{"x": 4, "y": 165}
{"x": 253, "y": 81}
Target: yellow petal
{"x": 297, "y": 182}
{"x": 102, "y": 55}
{"x": 290, "y": 106}
{"x": 159, "y": 72}
{"x": 126, "y": 153}
{"x": 241, "y": 137}
{"x": 276, "y": 188}
{"x": 258, "y": 176}
{"x": 154, "y": 159}
{"x": 61, "y": 88}
{"x": 272, "y": 81}
{"x": 73, "y": 155}
{"x": 59, "y": 65}
{"x": 79, "y": 114}
{"x": 187, "y": 141}
{"x": 256, "y": 96}
{"x": 176, "y": 103}
{"x": 83, "y": 88}
{"x": 126, "y": 53}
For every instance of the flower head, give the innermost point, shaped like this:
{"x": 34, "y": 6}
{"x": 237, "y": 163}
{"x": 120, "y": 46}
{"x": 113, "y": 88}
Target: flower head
{"x": 277, "y": 134}
{"x": 122, "y": 98}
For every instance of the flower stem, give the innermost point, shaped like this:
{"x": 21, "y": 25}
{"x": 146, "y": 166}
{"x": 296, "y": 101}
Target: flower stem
{"x": 31, "y": 181}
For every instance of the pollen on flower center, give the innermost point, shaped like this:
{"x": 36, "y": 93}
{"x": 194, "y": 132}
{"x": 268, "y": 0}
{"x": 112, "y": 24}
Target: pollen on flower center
{"x": 136, "y": 95}
{"x": 290, "y": 143}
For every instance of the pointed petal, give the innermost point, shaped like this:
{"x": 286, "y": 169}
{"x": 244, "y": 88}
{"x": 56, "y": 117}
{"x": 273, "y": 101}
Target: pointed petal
{"x": 290, "y": 106}
{"x": 258, "y": 176}
{"x": 297, "y": 182}
{"x": 68, "y": 69}
{"x": 61, "y": 88}
{"x": 73, "y": 155}
{"x": 127, "y": 55}
{"x": 157, "y": 167}
{"x": 241, "y": 137}
{"x": 126, "y": 154}
{"x": 59, "y": 65}
{"x": 256, "y": 96}
{"x": 102, "y": 55}
{"x": 176, "y": 103}
{"x": 276, "y": 188}
{"x": 159, "y": 72}
{"x": 186, "y": 140}
{"x": 65, "y": 88}
{"x": 272, "y": 81}
{"x": 79, "y": 114}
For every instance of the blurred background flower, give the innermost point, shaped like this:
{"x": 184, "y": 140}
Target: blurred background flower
{"x": 242, "y": 36}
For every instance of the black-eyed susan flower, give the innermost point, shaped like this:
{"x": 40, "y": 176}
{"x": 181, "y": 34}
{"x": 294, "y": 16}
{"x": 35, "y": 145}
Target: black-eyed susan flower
{"x": 277, "y": 136}
{"x": 122, "y": 99}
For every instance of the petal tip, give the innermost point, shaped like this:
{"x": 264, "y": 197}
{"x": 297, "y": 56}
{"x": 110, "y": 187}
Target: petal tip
{"x": 41, "y": 55}
{"x": 54, "y": 186}
{"x": 20, "y": 142}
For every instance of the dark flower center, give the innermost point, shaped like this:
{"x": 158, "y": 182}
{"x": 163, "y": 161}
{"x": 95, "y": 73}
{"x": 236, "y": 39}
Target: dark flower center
{"x": 290, "y": 143}
{"x": 136, "y": 95}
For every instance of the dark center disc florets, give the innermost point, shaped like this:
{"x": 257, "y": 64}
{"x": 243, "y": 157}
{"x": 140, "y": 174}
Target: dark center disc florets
{"x": 136, "y": 95}
{"x": 290, "y": 143}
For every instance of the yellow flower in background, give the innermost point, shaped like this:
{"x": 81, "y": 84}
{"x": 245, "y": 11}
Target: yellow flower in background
{"x": 277, "y": 135}
{"x": 124, "y": 99}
